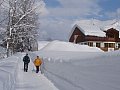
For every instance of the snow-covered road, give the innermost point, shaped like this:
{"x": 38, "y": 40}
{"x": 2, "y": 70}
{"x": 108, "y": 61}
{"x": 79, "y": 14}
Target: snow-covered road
{"x": 30, "y": 80}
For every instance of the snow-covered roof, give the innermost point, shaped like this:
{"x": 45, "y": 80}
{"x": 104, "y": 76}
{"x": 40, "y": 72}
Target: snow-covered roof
{"x": 114, "y": 25}
{"x": 95, "y": 27}
{"x": 88, "y": 28}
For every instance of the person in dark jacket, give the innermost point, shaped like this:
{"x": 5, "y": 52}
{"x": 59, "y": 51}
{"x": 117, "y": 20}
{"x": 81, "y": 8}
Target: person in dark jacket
{"x": 26, "y": 60}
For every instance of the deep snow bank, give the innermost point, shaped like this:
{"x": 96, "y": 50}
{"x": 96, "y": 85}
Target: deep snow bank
{"x": 83, "y": 70}
{"x": 67, "y": 46}
{"x": 8, "y": 69}
{"x": 42, "y": 44}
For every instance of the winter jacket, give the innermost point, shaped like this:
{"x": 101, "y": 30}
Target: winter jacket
{"x": 26, "y": 59}
{"x": 37, "y": 62}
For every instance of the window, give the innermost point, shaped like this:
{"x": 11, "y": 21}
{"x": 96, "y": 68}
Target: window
{"x": 97, "y": 44}
{"x": 118, "y": 45}
{"x": 106, "y": 45}
{"x": 90, "y": 44}
{"x": 109, "y": 45}
{"x": 83, "y": 43}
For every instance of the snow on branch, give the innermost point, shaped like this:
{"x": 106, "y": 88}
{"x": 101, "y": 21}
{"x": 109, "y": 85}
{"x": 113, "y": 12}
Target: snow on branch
{"x": 25, "y": 15}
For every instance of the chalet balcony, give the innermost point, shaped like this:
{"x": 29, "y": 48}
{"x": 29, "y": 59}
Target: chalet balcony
{"x": 118, "y": 40}
{"x": 111, "y": 39}
{"x": 96, "y": 38}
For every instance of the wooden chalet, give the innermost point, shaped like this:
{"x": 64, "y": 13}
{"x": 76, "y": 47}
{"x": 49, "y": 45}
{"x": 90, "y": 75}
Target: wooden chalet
{"x": 107, "y": 40}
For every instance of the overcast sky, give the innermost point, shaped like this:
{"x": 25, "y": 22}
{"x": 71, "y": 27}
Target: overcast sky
{"x": 59, "y": 15}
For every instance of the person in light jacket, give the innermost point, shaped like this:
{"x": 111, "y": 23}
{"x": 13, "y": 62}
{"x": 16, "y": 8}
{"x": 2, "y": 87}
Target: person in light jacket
{"x": 37, "y": 63}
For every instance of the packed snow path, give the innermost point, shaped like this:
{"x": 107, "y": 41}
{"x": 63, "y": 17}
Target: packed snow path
{"x": 31, "y": 80}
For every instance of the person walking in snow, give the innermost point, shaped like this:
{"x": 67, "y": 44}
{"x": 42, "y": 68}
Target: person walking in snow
{"x": 26, "y": 61}
{"x": 37, "y": 63}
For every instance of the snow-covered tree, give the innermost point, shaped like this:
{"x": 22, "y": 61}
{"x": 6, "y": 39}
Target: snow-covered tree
{"x": 19, "y": 19}
{"x": 22, "y": 24}
{"x": 3, "y": 20}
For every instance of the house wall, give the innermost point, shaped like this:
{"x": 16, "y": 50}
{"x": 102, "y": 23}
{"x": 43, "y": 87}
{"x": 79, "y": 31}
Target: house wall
{"x": 105, "y": 46}
{"x": 80, "y": 38}
{"x": 112, "y": 33}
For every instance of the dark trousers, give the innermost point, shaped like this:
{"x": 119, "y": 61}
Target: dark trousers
{"x": 25, "y": 67}
{"x": 37, "y": 69}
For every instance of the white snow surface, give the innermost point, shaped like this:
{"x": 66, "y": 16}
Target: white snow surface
{"x": 30, "y": 80}
{"x": 67, "y": 46}
{"x": 88, "y": 71}
{"x": 114, "y": 24}
{"x": 89, "y": 28}
{"x": 12, "y": 76}
{"x": 82, "y": 70}
{"x": 62, "y": 70}
{"x": 8, "y": 73}
{"x": 41, "y": 44}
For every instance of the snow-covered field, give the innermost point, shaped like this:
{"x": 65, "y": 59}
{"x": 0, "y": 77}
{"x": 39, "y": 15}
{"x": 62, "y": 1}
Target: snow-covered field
{"x": 78, "y": 70}
{"x": 8, "y": 73}
{"x": 93, "y": 73}
{"x": 67, "y": 67}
